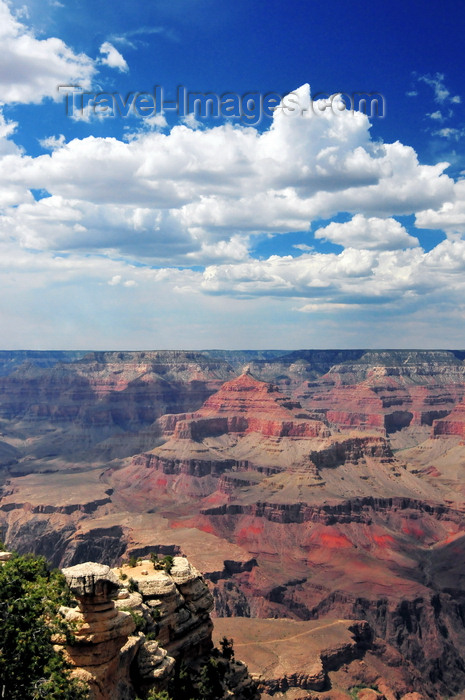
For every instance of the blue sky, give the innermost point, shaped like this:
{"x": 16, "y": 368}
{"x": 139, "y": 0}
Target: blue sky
{"x": 311, "y": 226}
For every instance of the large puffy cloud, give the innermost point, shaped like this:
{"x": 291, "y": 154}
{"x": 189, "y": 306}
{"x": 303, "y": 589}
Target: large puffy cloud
{"x": 369, "y": 233}
{"x": 202, "y": 187}
{"x": 32, "y": 68}
{"x": 111, "y": 209}
{"x": 66, "y": 225}
{"x": 327, "y": 163}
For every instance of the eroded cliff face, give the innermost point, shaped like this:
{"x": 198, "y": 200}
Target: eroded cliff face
{"x": 102, "y": 650}
{"x": 108, "y": 653}
{"x": 79, "y": 411}
{"x": 388, "y": 392}
{"x": 452, "y": 424}
{"x": 60, "y": 412}
{"x": 179, "y": 602}
{"x": 126, "y": 643}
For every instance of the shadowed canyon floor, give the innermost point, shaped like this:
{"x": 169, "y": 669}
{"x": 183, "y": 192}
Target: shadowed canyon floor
{"x": 315, "y": 486}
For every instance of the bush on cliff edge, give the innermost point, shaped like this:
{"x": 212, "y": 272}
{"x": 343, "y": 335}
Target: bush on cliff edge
{"x": 30, "y": 668}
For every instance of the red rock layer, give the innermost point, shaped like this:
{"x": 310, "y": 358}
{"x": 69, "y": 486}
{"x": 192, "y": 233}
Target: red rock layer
{"x": 453, "y": 424}
{"x": 245, "y": 405}
{"x": 386, "y": 399}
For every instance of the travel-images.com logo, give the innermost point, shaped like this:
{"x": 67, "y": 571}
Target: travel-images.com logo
{"x": 250, "y": 107}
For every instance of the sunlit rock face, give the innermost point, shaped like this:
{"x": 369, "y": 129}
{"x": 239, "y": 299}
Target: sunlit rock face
{"x": 176, "y": 607}
{"x": 182, "y": 603}
{"x": 453, "y": 424}
{"x": 102, "y": 647}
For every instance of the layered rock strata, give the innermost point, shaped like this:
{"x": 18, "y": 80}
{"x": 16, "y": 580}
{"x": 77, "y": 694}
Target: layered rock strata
{"x": 174, "y": 608}
{"x": 299, "y": 511}
{"x": 103, "y": 647}
{"x": 180, "y": 603}
{"x": 452, "y": 424}
{"x": 387, "y": 392}
{"x": 245, "y": 405}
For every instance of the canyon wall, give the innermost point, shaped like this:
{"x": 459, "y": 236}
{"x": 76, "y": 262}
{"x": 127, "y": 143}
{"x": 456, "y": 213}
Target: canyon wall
{"x": 312, "y": 486}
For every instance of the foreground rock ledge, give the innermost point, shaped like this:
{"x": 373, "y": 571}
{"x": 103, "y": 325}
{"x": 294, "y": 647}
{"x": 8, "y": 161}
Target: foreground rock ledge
{"x": 173, "y": 607}
{"x": 103, "y": 648}
{"x": 91, "y": 580}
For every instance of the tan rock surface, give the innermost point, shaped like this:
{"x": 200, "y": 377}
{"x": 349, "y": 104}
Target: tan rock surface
{"x": 180, "y": 601}
{"x": 287, "y": 657}
{"x": 102, "y": 649}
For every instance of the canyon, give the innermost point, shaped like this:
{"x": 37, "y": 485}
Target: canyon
{"x": 314, "y": 490}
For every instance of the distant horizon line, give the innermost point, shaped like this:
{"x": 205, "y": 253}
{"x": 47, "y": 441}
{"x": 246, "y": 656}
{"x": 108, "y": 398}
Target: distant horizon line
{"x": 216, "y": 349}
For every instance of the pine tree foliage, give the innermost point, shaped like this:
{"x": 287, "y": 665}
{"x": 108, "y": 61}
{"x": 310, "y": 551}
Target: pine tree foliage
{"x": 30, "y": 668}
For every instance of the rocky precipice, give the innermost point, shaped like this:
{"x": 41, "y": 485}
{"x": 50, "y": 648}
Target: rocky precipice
{"x": 107, "y": 651}
{"x": 179, "y": 602}
{"x": 126, "y": 642}
{"x": 103, "y": 649}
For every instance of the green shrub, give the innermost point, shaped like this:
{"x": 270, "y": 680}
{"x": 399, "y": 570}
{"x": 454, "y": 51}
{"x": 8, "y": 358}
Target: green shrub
{"x": 158, "y": 695}
{"x": 30, "y": 668}
{"x": 227, "y": 648}
{"x": 167, "y": 563}
{"x": 139, "y": 620}
{"x": 210, "y": 686}
{"x": 133, "y": 586}
{"x": 214, "y": 680}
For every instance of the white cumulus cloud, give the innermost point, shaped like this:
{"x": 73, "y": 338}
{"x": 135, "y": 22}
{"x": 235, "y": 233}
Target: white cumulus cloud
{"x": 111, "y": 211}
{"x": 370, "y": 233}
{"x": 32, "y": 68}
{"x": 173, "y": 197}
{"x": 113, "y": 58}
{"x": 450, "y": 217}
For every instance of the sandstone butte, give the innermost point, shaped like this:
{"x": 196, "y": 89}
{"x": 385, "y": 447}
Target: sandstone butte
{"x": 326, "y": 488}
